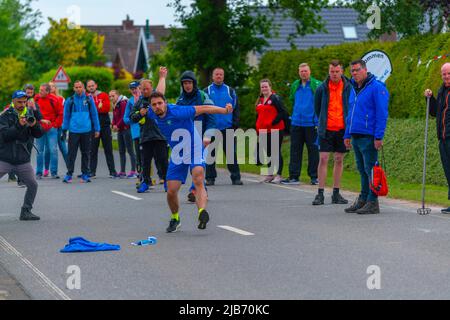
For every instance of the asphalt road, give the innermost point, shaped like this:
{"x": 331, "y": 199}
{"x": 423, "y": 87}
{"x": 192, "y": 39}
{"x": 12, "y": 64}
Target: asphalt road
{"x": 282, "y": 247}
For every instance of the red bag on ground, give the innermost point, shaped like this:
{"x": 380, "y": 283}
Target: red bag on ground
{"x": 378, "y": 181}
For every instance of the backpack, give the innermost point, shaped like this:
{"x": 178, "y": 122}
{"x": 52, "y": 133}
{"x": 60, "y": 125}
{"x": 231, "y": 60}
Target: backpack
{"x": 87, "y": 101}
{"x": 378, "y": 181}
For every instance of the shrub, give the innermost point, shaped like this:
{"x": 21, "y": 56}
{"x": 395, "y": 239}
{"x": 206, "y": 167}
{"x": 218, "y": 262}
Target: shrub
{"x": 103, "y": 76}
{"x": 406, "y": 84}
{"x": 11, "y": 78}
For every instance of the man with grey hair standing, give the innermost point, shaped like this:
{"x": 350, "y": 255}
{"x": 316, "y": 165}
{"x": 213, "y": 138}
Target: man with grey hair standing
{"x": 439, "y": 108}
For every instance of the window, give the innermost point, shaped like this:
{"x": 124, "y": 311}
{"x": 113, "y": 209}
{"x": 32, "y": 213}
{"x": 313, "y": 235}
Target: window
{"x": 350, "y": 32}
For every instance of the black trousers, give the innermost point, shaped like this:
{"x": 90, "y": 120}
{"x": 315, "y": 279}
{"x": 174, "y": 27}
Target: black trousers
{"x": 211, "y": 172}
{"x": 126, "y": 145}
{"x": 82, "y": 141}
{"x": 267, "y": 149}
{"x": 138, "y": 151}
{"x": 106, "y": 138}
{"x": 444, "y": 150}
{"x": 154, "y": 150}
{"x": 299, "y": 137}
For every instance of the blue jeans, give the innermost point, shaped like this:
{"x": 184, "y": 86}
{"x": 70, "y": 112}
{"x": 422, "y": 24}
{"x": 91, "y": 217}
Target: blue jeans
{"x": 48, "y": 141}
{"x": 62, "y": 147}
{"x": 366, "y": 156}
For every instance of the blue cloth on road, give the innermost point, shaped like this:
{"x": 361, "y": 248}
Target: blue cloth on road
{"x": 83, "y": 245}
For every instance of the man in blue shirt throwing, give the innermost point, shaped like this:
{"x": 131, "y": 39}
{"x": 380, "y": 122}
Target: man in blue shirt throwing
{"x": 177, "y": 125}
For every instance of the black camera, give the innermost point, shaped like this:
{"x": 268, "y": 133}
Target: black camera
{"x": 145, "y": 105}
{"x": 30, "y": 117}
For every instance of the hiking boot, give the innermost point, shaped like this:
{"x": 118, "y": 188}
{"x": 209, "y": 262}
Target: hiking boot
{"x": 174, "y": 226}
{"x": 320, "y": 200}
{"x": 446, "y": 211}
{"x": 26, "y": 215}
{"x": 338, "y": 199}
{"x": 237, "y": 183}
{"x": 191, "y": 197}
{"x": 358, "y": 204}
{"x": 291, "y": 182}
{"x": 371, "y": 207}
{"x": 203, "y": 220}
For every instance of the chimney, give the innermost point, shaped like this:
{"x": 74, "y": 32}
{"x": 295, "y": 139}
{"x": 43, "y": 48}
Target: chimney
{"x": 147, "y": 30}
{"x": 128, "y": 24}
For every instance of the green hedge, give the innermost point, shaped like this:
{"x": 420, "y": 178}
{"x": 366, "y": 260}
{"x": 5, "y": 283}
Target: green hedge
{"x": 406, "y": 85}
{"x": 404, "y": 145}
{"x": 103, "y": 76}
{"x": 122, "y": 86}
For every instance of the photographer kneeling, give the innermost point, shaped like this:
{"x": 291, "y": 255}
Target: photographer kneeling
{"x": 18, "y": 127}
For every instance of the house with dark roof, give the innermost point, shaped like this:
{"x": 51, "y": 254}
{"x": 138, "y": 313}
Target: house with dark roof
{"x": 130, "y": 46}
{"x": 341, "y": 24}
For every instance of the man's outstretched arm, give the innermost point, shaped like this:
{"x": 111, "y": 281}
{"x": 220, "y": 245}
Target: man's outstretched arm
{"x": 199, "y": 110}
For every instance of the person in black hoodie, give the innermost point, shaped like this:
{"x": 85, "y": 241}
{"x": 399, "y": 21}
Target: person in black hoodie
{"x": 192, "y": 96}
{"x": 18, "y": 128}
{"x": 440, "y": 108}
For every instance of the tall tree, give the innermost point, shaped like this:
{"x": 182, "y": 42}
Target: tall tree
{"x": 18, "y": 21}
{"x": 223, "y": 33}
{"x": 66, "y": 46}
{"x": 406, "y": 17}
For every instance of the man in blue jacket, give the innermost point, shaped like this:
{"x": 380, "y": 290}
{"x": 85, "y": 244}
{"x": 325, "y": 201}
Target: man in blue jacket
{"x": 80, "y": 119}
{"x": 304, "y": 127}
{"x": 221, "y": 95}
{"x": 365, "y": 129}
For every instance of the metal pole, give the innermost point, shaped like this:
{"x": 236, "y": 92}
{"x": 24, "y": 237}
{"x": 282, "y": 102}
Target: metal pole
{"x": 423, "y": 210}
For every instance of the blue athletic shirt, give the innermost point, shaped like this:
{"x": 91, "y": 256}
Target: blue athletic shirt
{"x": 179, "y": 120}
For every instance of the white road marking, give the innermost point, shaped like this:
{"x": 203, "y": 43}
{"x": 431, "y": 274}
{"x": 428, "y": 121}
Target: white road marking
{"x": 236, "y": 230}
{"x": 46, "y": 282}
{"x": 126, "y": 195}
{"x": 384, "y": 206}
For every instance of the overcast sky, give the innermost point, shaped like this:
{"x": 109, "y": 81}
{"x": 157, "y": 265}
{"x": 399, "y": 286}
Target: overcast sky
{"x": 107, "y": 12}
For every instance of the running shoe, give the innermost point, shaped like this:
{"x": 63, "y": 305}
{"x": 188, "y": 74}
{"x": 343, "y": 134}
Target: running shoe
{"x": 174, "y": 226}
{"x": 203, "y": 220}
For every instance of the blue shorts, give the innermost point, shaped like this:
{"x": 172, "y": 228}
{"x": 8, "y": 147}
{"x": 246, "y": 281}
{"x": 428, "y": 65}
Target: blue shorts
{"x": 179, "y": 172}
